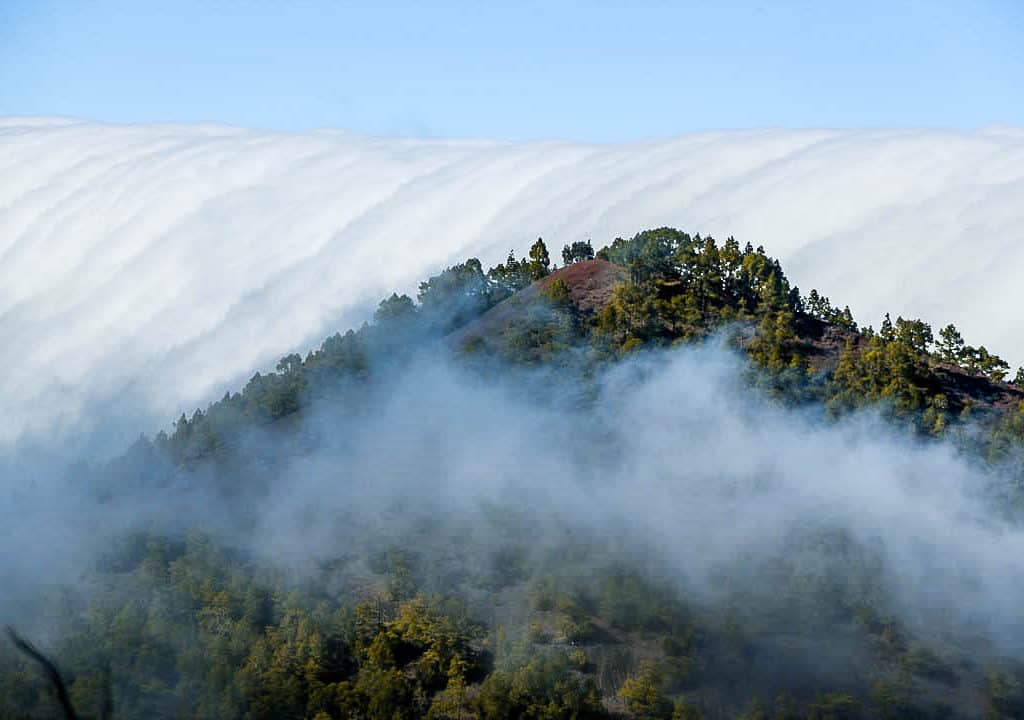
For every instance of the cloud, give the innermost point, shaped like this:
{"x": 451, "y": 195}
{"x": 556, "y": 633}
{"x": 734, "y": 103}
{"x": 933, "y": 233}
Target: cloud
{"x": 146, "y": 269}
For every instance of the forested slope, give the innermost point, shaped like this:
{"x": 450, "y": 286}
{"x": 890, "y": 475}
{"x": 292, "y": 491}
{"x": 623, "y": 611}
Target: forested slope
{"x": 498, "y": 609}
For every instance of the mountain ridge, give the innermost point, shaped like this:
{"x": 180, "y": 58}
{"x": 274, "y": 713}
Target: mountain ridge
{"x": 407, "y": 522}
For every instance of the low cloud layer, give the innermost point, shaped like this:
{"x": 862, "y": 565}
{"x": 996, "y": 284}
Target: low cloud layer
{"x": 152, "y": 267}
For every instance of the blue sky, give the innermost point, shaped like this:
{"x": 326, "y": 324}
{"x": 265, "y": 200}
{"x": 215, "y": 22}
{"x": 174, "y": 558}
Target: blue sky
{"x": 598, "y": 71}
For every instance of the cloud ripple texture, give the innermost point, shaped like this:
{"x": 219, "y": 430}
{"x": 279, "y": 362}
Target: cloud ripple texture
{"x": 145, "y": 269}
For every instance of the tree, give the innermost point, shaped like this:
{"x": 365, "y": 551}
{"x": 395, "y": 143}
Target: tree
{"x": 686, "y": 711}
{"x": 819, "y": 306}
{"x": 950, "y": 345}
{"x": 774, "y": 345}
{"x": 577, "y": 252}
{"x": 395, "y": 309}
{"x": 508, "y": 277}
{"x": 933, "y": 420}
{"x": 650, "y": 255}
{"x": 642, "y": 695}
{"x": 846, "y": 319}
{"x": 558, "y": 293}
{"x": 887, "y": 333}
{"x": 630, "y": 313}
{"x": 290, "y": 363}
{"x": 914, "y": 333}
{"x": 991, "y": 366}
{"x": 455, "y": 296}
{"x": 1018, "y": 379}
{"x": 540, "y": 261}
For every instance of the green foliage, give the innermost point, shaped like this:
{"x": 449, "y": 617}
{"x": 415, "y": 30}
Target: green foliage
{"x": 881, "y": 371}
{"x": 542, "y": 335}
{"x": 543, "y": 689}
{"x": 820, "y": 307}
{"x": 936, "y": 417}
{"x": 1006, "y": 436}
{"x": 643, "y": 697}
{"x": 193, "y": 630}
{"x": 951, "y": 345}
{"x": 915, "y": 334}
{"x": 953, "y": 350}
{"x": 682, "y": 710}
{"x": 630, "y": 314}
{"x": 396, "y": 314}
{"x": 980, "y": 360}
{"x": 577, "y": 252}
{"x": 450, "y": 299}
{"x": 540, "y": 262}
{"x": 775, "y": 347}
{"x": 513, "y": 275}
{"x": 447, "y": 301}
{"x": 558, "y": 294}
{"x": 682, "y": 287}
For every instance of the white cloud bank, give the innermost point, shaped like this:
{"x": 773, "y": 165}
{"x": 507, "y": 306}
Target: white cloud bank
{"x": 165, "y": 263}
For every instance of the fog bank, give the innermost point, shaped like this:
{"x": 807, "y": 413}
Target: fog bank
{"x": 146, "y": 269}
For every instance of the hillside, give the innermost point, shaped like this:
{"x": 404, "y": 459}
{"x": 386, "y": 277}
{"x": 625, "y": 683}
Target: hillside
{"x": 590, "y": 284}
{"x": 818, "y": 342}
{"x": 823, "y": 344}
{"x": 659, "y": 482}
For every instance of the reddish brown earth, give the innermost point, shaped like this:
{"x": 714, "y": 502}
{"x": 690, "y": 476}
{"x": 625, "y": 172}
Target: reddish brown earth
{"x": 590, "y": 285}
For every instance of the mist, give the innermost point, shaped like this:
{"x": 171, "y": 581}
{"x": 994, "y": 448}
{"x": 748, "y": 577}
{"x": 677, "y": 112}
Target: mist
{"x": 675, "y": 462}
{"x": 148, "y": 268}
{"x": 669, "y": 461}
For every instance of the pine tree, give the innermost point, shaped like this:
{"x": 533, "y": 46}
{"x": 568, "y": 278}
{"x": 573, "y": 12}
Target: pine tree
{"x": 951, "y": 345}
{"x": 991, "y": 366}
{"x": 846, "y": 319}
{"x": 577, "y": 252}
{"x": 914, "y": 333}
{"x": 540, "y": 262}
{"x": 887, "y": 333}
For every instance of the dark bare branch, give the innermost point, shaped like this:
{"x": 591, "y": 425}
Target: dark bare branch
{"x": 51, "y": 672}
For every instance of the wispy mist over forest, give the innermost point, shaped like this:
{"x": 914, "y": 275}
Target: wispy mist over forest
{"x": 661, "y": 481}
{"x": 666, "y": 456}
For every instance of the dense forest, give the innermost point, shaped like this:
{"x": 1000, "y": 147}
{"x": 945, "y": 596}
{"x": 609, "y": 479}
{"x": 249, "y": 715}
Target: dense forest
{"x": 506, "y": 612}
